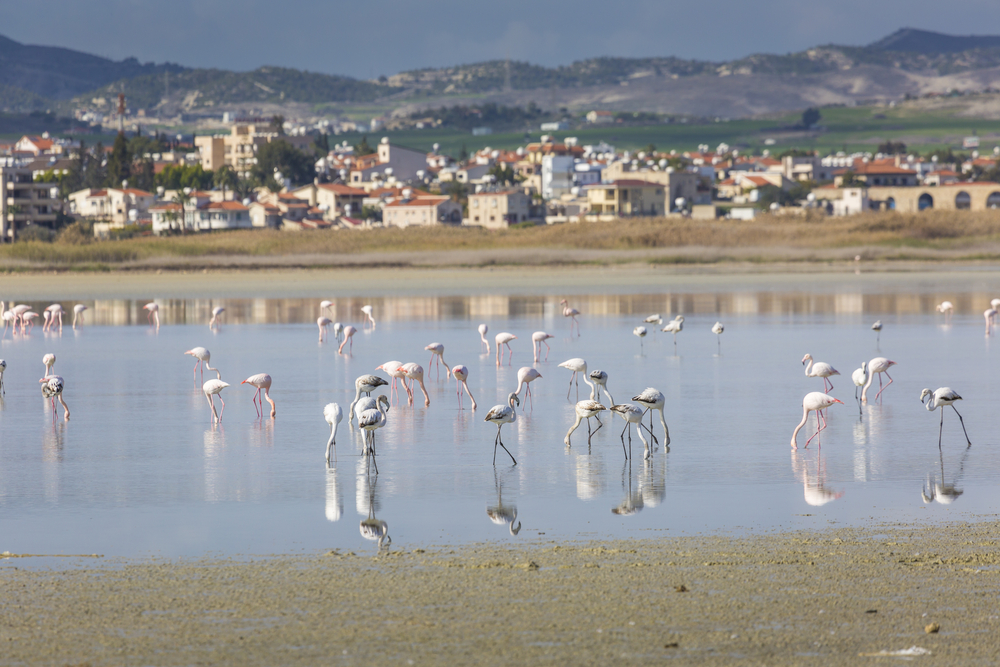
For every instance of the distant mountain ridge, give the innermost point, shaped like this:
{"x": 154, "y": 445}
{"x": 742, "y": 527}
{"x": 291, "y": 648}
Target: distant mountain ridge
{"x": 912, "y": 40}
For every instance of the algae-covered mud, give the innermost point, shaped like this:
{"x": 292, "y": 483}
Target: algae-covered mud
{"x": 831, "y": 597}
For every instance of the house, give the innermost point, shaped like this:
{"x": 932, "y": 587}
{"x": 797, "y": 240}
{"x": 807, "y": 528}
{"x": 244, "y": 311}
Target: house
{"x": 743, "y": 186}
{"x": 498, "y": 209}
{"x": 391, "y": 162}
{"x": 806, "y": 168}
{"x": 679, "y": 184}
{"x": 423, "y": 211}
{"x": 117, "y": 206}
{"x": 166, "y": 217}
{"x": 333, "y": 199}
{"x": 600, "y": 117}
{"x": 36, "y": 145}
{"x": 199, "y": 214}
{"x": 941, "y": 177}
{"x": 265, "y": 216}
{"x": 90, "y": 203}
{"x": 627, "y": 197}
{"x": 24, "y": 203}
{"x": 880, "y": 174}
{"x": 852, "y": 202}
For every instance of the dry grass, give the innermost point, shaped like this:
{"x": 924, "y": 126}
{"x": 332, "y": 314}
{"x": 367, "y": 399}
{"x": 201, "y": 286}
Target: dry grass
{"x": 935, "y": 230}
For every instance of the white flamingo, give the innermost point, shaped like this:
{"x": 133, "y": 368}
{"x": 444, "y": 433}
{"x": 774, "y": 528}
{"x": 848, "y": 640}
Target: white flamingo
{"x": 641, "y": 333}
{"x": 204, "y": 357}
{"x": 323, "y": 323}
{"x": 877, "y": 328}
{"x": 600, "y": 379}
{"x": 349, "y": 332}
{"x": 214, "y": 388}
{"x": 503, "y": 339}
{"x": 631, "y": 414}
{"x": 461, "y": 374}
{"x": 153, "y": 313}
{"x": 394, "y": 369}
{"x": 579, "y": 368}
{"x": 78, "y": 314}
{"x": 571, "y": 313}
{"x": 877, "y": 366}
{"x": 525, "y": 376}
{"x": 49, "y": 360}
{"x": 483, "y": 330}
{"x": 859, "y": 377}
{"x": 939, "y": 398}
{"x": 338, "y": 331}
{"x": 653, "y": 319}
{"x": 585, "y": 410}
{"x": 367, "y": 310}
{"x": 988, "y": 315}
{"x": 365, "y": 384}
{"x": 216, "y": 313}
{"x": 9, "y": 318}
{"x": 717, "y": 329}
{"x": 437, "y": 353}
{"x": 52, "y": 388}
{"x": 415, "y": 373}
{"x": 262, "y": 381}
{"x": 333, "y": 414}
{"x": 651, "y": 399}
{"x": 370, "y": 421}
{"x": 324, "y": 306}
{"x": 946, "y": 307}
{"x": 500, "y": 415}
{"x": 537, "y": 340}
{"x": 19, "y": 312}
{"x": 674, "y": 327}
{"x": 820, "y": 370}
{"x": 814, "y": 401}
{"x": 56, "y": 311}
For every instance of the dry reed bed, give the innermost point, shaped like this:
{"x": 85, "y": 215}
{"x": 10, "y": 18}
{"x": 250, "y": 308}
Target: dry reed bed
{"x": 931, "y": 229}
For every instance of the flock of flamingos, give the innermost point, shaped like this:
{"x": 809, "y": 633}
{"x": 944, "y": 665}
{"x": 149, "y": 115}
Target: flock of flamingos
{"x": 372, "y": 413}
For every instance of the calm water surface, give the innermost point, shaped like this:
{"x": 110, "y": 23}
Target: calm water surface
{"x": 141, "y": 470}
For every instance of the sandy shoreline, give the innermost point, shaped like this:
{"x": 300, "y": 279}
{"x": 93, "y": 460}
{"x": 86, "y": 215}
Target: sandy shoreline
{"x": 821, "y": 597}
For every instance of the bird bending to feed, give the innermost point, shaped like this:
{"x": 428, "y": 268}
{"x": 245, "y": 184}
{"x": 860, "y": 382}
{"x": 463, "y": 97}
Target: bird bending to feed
{"x": 365, "y": 384}
{"x": 651, "y": 399}
{"x": 29, "y": 318}
{"x": 600, "y": 379}
{"x": 323, "y": 307}
{"x": 415, "y": 373}
{"x": 859, "y": 377}
{"x": 641, "y": 333}
{"x": 939, "y": 398}
{"x": 332, "y": 413}
{"x": 717, "y": 329}
{"x": 78, "y": 314}
{"x": 338, "y": 330}
{"x": 56, "y": 313}
{"x": 675, "y": 327}
{"x": 48, "y": 320}
{"x": 3, "y": 367}
{"x": 813, "y": 401}
{"x": 153, "y": 313}
{"x": 483, "y": 330}
{"x": 395, "y": 371}
{"x": 631, "y": 414}
{"x": 578, "y": 366}
{"x": 537, "y": 339}
{"x": 585, "y": 410}
{"x": 988, "y": 315}
{"x": 500, "y": 415}
{"x": 323, "y": 323}
{"x": 571, "y": 313}
{"x": 877, "y": 328}
{"x": 877, "y": 366}
{"x": 820, "y": 370}
{"x": 349, "y": 332}
{"x": 214, "y": 388}
{"x": 263, "y": 382}
{"x": 216, "y": 312}
{"x": 503, "y": 339}
{"x": 371, "y": 420}
{"x": 437, "y": 352}
{"x": 9, "y": 318}
{"x": 204, "y": 357}
{"x": 946, "y": 307}
{"x": 49, "y": 360}
{"x": 525, "y": 376}
{"x": 52, "y": 388}
{"x": 461, "y": 374}
{"x": 367, "y": 310}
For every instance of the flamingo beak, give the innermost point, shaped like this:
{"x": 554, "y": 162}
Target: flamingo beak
{"x": 838, "y": 401}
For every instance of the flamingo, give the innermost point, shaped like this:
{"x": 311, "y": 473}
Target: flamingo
{"x": 415, "y": 373}
{"x": 653, "y": 319}
{"x": 504, "y": 338}
{"x": 371, "y": 421}
{"x": 631, "y": 414}
{"x": 323, "y": 323}
{"x": 56, "y": 311}
{"x": 988, "y": 315}
{"x": 323, "y": 307}
{"x": 939, "y": 398}
{"x": 365, "y": 384}
{"x": 394, "y": 370}
{"x": 29, "y": 318}
{"x": 585, "y": 410}
{"x": 820, "y": 370}
{"x": 153, "y": 313}
{"x": 651, "y": 399}
{"x": 500, "y": 415}
{"x": 877, "y": 328}
{"x": 214, "y": 322}
{"x": 577, "y": 365}
{"x": 333, "y": 414}
{"x": 214, "y": 388}
{"x": 52, "y": 388}
{"x": 338, "y": 330}
{"x": 78, "y": 314}
{"x": 19, "y": 312}
{"x": 49, "y": 360}
{"x": 717, "y": 329}
{"x": 859, "y": 377}
{"x": 437, "y": 352}
{"x": 600, "y": 379}
{"x": 641, "y": 333}
{"x": 47, "y": 316}
{"x": 946, "y": 307}
{"x": 364, "y": 403}
{"x": 674, "y": 327}
{"x": 3, "y": 367}
{"x": 818, "y": 401}
{"x": 461, "y": 374}
{"x": 349, "y": 331}
{"x": 571, "y": 312}
{"x": 525, "y": 376}
{"x": 877, "y": 366}
{"x": 263, "y": 382}
{"x": 9, "y": 318}
{"x": 483, "y": 330}
{"x": 537, "y": 339}
{"x": 995, "y": 303}
{"x": 204, "y": 357}
{"x": 367, "y": 310}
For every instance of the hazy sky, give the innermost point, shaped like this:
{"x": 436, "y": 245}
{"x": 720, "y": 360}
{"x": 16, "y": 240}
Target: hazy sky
{"x": 365, "y": 39}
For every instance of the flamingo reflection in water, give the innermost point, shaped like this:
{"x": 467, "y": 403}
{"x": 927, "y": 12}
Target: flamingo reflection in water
{"x": 814, "y": 483}
{"x": 937, "y": 489}
{"x": 371, "y": 528}
{"x": 334, "y": 501}
{"x": 633, "y": 503}
{"x": 500, "y": 514}
{"x": 941, "y": 398}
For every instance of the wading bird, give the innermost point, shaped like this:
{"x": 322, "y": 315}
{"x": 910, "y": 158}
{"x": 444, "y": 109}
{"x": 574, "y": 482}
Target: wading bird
{"x": 579, "y": 368}
{"x": 600, "y": 379}
{"x": 571, "y": 313}
{"x": 988, "y": 315}
{"x": 338, "y": 331}
{"x": 939, "y": 398}
{"x": 214, "y": 388}
{"x": 153, "y": 313}
{"x": 877, "y": 328}
{"x": 483, "y": 330}
{"x": 323, "y": 323}
{"x": 437, "y": 353}
{"x": 56, "y": 311}
{"x": 332, "y": 414}
{"x": 717, "y": 329}
{"x": 371, "y": 421}
{"x": 641, "y": 333}
{"x": 675, "y": 327}
{"x": 78, "y": 314}
{"x": 820, "y": 370}
{"x": 537, "y": 339}
{"x": 415, "y": 373}
{"x": 946, "y": 307}
{"x": 585, "y": 410}
{"x": 394, "y": 369}
{"x": 214, "y": 323}
{"x": 631, "y": 414}
{"x": 461, "y": 374}
{"x": 367, "y": 310}
{"x": 365, "y": 384}
{"x": 813, "y": 401}
{"x": 204, "y": 357}
{"x": 877, "y": 366}
{"x": 324, "y": 306}
{"x": 49, "y": 360}
{"x": 500, "y": 415}
{"x": 525, "y": 376}
{"x": 503, "y": 339}
{"x": 651, "y": 399}
{"x": 52, "y": 388}
{"x": 263, "y": 382}
{"x": 349, "y": 332}
{"x": 859, "y": 377}
{"x": 3, "y": 367}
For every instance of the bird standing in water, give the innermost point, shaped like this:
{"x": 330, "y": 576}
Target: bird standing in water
{"x": 263, "y": 382}
{"x": 500, "y": 415}
{"x": 939, "y": 398}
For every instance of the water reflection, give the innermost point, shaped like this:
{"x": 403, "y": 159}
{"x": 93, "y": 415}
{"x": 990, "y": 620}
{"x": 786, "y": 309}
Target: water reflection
{"x": 368, "y": 503}
{"x": 214, "y": 443}
{"x": 501, "y": 514}
{"x": 810, "y": 470}
{"x": 936, "y": 489}
{"x": 334, "y": 499}
{"x": 633, "y": 501}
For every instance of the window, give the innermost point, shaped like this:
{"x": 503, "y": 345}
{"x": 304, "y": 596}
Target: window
{"x": 475, "y": 204}
{"x": 624, "y": 195}
{"x": 609, "y": 195}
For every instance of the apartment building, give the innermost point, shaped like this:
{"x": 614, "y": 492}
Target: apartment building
{"x": 500, "y": 209}
{"x": 627, "y": 197}
{"x": 238, "y": 149}
{"x": 422, "y": 211}
{"x": 24, "y": 202}
{"x": 389, "y": 162}
{"x": 114, "y": 205}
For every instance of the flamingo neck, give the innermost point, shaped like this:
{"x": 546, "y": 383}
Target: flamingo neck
{"x": 805, "y": 415}
{"x": 809, "y": 368}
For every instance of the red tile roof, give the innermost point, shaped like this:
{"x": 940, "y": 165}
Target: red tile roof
{"x": 226, "y": 206}
{"x": 419, "y": 201}
{"x": 340, "y": 189}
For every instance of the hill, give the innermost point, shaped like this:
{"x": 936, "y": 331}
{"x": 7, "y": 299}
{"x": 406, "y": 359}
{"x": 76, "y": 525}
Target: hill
{"x": 923, "y": 41}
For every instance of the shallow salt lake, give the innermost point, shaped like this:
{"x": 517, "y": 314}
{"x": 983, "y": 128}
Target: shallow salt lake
{"x": 141, "y": 470}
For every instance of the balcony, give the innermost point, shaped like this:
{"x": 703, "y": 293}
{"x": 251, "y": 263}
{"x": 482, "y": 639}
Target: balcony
{"x": 27, "y": 201}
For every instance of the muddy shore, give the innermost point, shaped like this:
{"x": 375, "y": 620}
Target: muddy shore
{"x": 831, "y": 597}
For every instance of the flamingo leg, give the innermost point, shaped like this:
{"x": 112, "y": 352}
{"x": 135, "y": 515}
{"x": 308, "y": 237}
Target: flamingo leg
{"x": 504, "y": 448}
{"x": 623, "y": 439}
{"x": 881, "y": 388}
{"x": 649, "y": 429}
{"x": 530, "y": 396}
{"x": 211, "y": 404}
{"x": 963, "y": 427}
{"x": 568, "y": 391}
{"x": 547, "y": 350}
{"x": 814, "y": 434}
{"x": 495, "y": 441}
{"x": 221, "y": 400}
{"x": 940, "y": 426}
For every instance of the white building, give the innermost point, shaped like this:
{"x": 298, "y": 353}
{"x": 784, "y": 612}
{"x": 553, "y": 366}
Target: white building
{"x": 557, "y": 175}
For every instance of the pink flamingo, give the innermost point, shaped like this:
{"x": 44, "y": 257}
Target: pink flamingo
{"x": 537, "y": 339}
{"x": 877, "y": 366}
{"x": 323, "y": 323}
{"x": 57, "y": 314}
{"x": 437, "y": 352}
{"x": 814, "y": 401}
{"x": 367, "y": 310}
{"x": 263, "y": 382}
{"x": 415, "y": 373}
{"x": 153, "y": 313}
{"x": 47, "y": 316}
{"x": 820, "y": 370}
{"x": 483, "y": 330}
{"x": 525, "y": 376}
{"x": 394, "y": 369}
{"x": 29, "y": 318}
{"x": 988, "y": 315}
{"x": 504, "y": 338}
{"x": 19, "y": 312}
{"x": 9, "y": 318}
{"x": 349, "y": 332}
{"x": 204, "y": 357}
{"x": 78, "y": 314}
{"x": 214, "y": 388}
{"x": 214, "y": 323}
{"x": 461, "y": 374}
{"x": 571, "y": 312}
